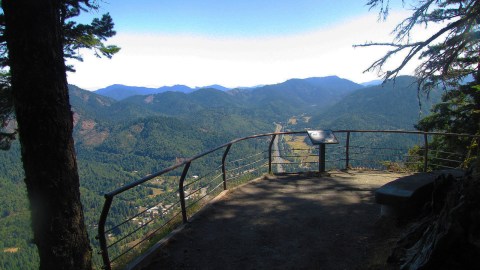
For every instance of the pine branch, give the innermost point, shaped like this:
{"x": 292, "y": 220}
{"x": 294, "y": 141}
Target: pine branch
{"x": 413, "y": 48}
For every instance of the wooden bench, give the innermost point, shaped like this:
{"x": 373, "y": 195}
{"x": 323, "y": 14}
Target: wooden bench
{"x": 405, "y": 196}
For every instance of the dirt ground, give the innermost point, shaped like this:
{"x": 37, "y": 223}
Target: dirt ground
{"x": 286, "y": 222}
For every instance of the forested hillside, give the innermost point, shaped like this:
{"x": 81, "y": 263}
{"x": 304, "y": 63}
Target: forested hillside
{"x": 115, "y": 144}
{"x": 271, "y": 102}
{"x": 397, "y": 104}
{"x": 118, "y": 142}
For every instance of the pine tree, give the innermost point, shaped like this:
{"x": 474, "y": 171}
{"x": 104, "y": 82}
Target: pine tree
{"x": 35, "y": 35}
{"x": 447, "y": 235}
{"x": 448, "y": 56}
{"x": 76, "y": 36}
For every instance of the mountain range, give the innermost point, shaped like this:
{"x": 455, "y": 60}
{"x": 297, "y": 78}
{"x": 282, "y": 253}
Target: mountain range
{"x": 271, "y": 102}
{"x": 331, "y": 102}
{"x": 148, "y": 132}
{"x": 120, "y": 91}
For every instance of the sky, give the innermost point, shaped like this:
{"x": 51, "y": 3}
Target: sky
{"x": 236, "y": 43}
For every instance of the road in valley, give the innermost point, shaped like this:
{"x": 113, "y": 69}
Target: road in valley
{"x": 276, "y": 152}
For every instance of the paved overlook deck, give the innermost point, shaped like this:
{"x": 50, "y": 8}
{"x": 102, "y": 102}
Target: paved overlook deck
{"x": 294, "y": 221}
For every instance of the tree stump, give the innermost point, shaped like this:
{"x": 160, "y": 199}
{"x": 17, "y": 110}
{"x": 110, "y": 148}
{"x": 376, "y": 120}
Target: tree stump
{"x": 448, "y": 234}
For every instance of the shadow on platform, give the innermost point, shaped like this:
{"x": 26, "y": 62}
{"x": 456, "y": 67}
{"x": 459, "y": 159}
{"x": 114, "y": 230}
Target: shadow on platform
{"x": 281, "y": 222}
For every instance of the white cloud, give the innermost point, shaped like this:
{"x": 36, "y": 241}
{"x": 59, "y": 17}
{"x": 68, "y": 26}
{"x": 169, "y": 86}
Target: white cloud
{"x": 157, "y": 60}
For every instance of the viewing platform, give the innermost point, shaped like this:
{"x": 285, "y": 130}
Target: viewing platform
{"x": 286, "y": 221}
{"x": 268, "y": 201}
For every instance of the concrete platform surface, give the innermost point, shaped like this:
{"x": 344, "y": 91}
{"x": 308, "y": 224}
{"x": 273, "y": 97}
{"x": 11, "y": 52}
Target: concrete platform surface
{"x": 285, "y": 222}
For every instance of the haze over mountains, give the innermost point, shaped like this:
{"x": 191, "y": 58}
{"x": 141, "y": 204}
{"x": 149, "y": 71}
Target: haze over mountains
{"x": 119, "y": 91}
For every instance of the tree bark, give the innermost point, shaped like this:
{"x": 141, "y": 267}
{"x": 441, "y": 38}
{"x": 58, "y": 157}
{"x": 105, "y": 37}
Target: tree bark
{"x": 35, "y": 42}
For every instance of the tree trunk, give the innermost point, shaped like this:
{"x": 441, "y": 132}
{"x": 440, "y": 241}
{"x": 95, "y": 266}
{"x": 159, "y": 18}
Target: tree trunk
{"x": 40, "y": 95}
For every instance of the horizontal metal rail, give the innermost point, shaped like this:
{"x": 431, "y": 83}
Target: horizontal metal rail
{"x": 241, "y": 170}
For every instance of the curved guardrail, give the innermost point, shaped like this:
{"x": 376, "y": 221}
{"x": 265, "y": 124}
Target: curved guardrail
{"x": 131, "y": 230}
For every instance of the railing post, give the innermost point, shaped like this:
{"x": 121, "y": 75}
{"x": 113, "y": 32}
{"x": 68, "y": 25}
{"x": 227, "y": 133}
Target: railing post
{"x": 321, "y": 158}
{"x": 224, "y": 172}
{"x": 270, "y": 153}
{"x": 182, "y": 192}
{"x": 101, "y": 232}
{"x": 347, "y": 151}
{"x": 425, "y": 153}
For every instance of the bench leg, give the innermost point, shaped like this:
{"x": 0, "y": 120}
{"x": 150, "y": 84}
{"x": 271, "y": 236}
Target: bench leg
{"x": 388, "y": 211}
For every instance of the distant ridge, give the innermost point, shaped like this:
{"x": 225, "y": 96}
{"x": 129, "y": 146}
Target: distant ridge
{"x": 214, "y": 86}
{"x": 270, "y": 102}
{"x": 372, "y": 83}
{"x": 120, "y": 91}
{"x": 175, "y": 88}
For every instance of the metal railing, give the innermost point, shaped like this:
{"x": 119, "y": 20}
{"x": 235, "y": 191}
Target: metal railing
{"x": 126, "y": 228}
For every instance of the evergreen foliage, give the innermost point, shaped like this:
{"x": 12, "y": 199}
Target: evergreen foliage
{"x": 76, "y": 36}
{"x": 459, "y": 112}
{"x": 6, "y": 111}
{"x": 449, "y": 56}
{"x": 33, "y": 45}
{"x": 450, "y": 59}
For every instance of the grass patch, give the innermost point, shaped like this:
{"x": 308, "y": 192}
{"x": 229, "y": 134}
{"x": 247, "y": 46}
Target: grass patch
{"x": 156, "y": 192}
{"x": 299, "y": 142}
{"x": 11, "y": 250}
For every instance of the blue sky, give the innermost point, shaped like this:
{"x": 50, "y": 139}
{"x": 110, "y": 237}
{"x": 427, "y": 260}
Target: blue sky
{"x": 235, "y": 43}
{"x": 230, "y": 18}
